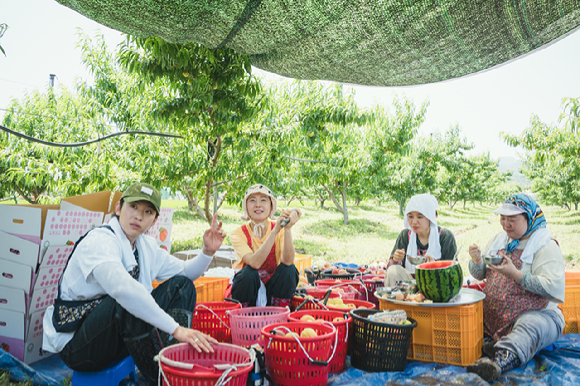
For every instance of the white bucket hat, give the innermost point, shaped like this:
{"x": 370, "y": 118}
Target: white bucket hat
{"x": 258, "y": 188}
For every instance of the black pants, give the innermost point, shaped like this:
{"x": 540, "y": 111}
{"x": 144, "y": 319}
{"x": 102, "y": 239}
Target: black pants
{"x": 99, "y": 340}
{"x": 281, "y": 285}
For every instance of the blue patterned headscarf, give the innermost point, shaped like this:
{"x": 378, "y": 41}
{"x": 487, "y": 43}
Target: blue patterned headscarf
{"x": 536, "y": 218}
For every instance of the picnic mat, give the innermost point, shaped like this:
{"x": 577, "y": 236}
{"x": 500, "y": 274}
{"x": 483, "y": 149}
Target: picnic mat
{"x": 560, "y": 367}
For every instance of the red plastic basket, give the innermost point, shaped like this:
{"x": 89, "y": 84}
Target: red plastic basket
{"x": 297, "y": 300}
{"x": 211, "y": 319}
{"x": 181, "y": 364}
{"x": 356, "y": 303}
{"x": 292, "y": 364}
{"x": 343, "y": 329}
{"x": 247, "y": 323}
{"x": 372, "y": 286}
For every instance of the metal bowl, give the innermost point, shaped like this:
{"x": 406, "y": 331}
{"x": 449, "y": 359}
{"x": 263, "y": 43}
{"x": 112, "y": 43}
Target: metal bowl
{"x": 416, "y": 260}
{"x": 492, "y": 260}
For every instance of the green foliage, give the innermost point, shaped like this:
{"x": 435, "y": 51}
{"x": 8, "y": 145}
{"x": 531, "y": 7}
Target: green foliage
{"x": 208, "y": 96}
{"x": 552, "y": 160}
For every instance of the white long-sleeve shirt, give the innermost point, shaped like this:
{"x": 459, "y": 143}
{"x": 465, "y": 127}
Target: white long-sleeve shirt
{"x": 100, "y": 266}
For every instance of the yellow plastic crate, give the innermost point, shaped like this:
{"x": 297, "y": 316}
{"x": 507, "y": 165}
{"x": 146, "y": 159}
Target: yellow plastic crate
{"x": 452, "y": 335}
{"x": 200, "y": 291}
{"x": 573, "y": 277}
{"x": 571, "y": 309}
{"x": 301, "y": 262}
{"x": 215, "y": 288}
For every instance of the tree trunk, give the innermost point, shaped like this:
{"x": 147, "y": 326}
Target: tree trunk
{"x": 452, "y": 204}
{"x": 464, "y": 203}
{"x": 345, "y": 211}
{"x": 192, "y": 203}
{"x": 576, "y": 205}
{"x": 322, "y": 199}
{"x": 567, "y": 206}
{"x": 333, "y": 199}
{"x": 290, "y": 200}
{"x": 357, "y": 201}
{"x": 401, "y": 202}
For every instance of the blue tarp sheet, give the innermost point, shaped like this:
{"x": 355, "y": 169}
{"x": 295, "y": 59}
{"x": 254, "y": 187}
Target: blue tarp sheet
{"x": 560, "y": 367}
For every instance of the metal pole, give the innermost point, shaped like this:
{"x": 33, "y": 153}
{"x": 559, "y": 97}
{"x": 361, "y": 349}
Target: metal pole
{"x": 51, "y": 80}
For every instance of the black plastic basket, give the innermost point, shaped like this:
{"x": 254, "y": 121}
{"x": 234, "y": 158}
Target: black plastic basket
{"x": 312, "y": 274}
{"x": 350, "y": 274}
{"x": 378, "y": 347}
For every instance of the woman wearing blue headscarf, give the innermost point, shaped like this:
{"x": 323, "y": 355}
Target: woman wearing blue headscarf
{"x": 520, "y": 310}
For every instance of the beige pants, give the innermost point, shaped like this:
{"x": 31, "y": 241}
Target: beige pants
{"x": 396, "y": 273}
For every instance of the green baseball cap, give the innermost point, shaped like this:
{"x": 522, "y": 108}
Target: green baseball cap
{"x": 142, "y": 192}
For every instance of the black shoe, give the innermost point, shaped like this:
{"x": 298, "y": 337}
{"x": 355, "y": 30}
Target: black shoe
{"x": 489, "y": 349}
{"x": 486, "y": 369}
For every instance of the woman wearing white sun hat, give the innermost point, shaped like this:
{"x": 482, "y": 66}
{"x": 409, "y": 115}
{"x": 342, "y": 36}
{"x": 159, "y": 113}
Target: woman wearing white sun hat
{"x": 265, "y": 252}
{"x": 421, "y": 237}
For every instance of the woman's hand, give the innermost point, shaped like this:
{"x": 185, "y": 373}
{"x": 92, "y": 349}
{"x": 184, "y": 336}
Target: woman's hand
{"x": 293, "y": 215}
{"x": 475, "y": 253}
{"x": 429, "y": 258}
{"x": 197, "y": 339}
{"x": 213, "y": 238}
{"x": 507, "y": 268}
{"x": 399, "y": 255}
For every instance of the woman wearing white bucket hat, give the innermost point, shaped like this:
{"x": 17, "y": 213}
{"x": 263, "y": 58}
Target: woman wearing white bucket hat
{"x": 421, "y": 237}
{"x": 265, "y": 252}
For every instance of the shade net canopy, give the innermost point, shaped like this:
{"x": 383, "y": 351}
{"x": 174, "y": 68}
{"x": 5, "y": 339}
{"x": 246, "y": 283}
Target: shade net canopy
{"x": 367, "y": 42}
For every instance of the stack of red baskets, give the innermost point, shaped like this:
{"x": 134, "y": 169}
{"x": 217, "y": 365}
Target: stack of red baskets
{"x": 211, "y": 319}
{"x": 343, "y": 330}
{"x": 289, "y": 363}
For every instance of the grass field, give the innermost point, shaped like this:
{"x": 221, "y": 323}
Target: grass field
{"x": 372, "y": 230}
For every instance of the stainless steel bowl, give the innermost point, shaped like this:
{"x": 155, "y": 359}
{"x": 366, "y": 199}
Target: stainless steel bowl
{"x": 492, "y": 260}
{"x": 416, "y": 260}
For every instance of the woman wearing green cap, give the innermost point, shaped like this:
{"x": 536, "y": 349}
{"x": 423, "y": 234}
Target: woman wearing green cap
{"x": 106, "y": 307}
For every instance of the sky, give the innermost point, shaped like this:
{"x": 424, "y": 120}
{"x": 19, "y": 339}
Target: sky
{"x": 42, "y": 37}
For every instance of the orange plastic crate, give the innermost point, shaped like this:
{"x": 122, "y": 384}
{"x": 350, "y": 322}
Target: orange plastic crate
{"x": 200, "y": 291}
{"x": 573, "y": 277}
{"x": 571, "y": 309}
{"x": 301, "y": 262}
{"x": 452, "y": 335}
{"x": 215, "y": 288}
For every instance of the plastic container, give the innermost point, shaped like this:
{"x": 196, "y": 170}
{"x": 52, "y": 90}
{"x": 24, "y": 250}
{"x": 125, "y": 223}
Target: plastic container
{"x": 378, "y": 347}
{"x": 571, "y": 309}
{"x": 182, "y": 365}
{"x": 355, "y": 303}
{"x": 572, "y": 277}
{"x": 215, "y": 288}
{"x": 301, "y": 262}
{"x": 312, "y": 274}
{"x": 296, "y": 301}
{"x": 349, "y": 275}
{"x": 293, "y": 364}
{"x": 247, "y": 323}
{"x": 452, "y": 335}
{"x": 347, "y": 285}
{"x": 201, "y": 296}
{"x": 372, "y": 286}
{"x": 343, "y": 329}
{"x": 210, "y": 318}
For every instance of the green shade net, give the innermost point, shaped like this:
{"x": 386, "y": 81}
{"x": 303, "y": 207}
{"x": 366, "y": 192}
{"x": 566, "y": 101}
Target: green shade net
{"x": 370, "y": 42}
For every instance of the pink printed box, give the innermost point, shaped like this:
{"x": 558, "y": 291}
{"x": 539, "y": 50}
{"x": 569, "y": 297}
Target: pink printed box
{"x": 35, "y": 242}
